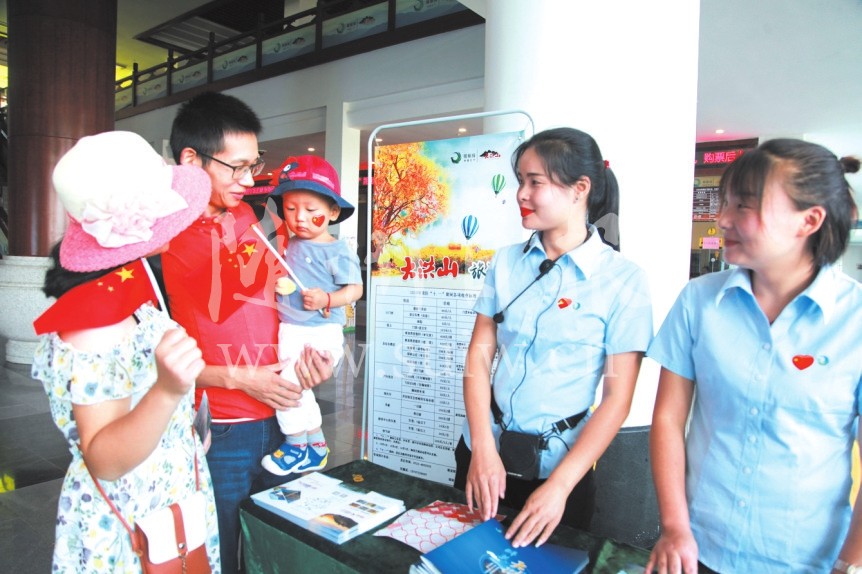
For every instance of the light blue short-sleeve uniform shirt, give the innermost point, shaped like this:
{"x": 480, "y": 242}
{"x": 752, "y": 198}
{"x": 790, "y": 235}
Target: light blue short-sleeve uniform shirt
{"x": 774, "y": 418}
{"x": 555, "y": 339}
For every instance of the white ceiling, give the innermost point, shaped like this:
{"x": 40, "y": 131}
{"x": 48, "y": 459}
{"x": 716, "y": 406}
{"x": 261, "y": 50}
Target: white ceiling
{"x": 766, "y": 67}
{"x": 779, "y": 67}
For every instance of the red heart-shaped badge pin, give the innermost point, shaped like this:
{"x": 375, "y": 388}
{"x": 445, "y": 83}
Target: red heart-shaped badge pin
{"x": 318, "y": 220}
{"x": 564, "y": 302}
{"x": 802, "y": 362}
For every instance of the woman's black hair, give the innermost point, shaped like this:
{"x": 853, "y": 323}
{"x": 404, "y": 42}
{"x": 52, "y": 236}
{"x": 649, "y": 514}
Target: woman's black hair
{"x": 568, "y": 155}
{"x": 812, "y": 175}
{"x": 59, "y": 280}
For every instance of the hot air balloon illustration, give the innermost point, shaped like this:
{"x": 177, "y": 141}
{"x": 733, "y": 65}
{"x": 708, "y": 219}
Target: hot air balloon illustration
{"x": 469, "y": 226}
{"x": 498, "y": 182}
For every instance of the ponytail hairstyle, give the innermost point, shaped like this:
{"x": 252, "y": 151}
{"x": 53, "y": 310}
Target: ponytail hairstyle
{"x": 812, "y": 175}
{"x": 59, "y": 280}
{"x": 568, "y": 155}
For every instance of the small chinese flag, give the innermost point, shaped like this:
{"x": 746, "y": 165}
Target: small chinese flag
{"x": 104, "y": 301}
{"x": 243, "y": 271}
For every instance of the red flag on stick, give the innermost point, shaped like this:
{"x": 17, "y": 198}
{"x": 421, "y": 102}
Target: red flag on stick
{"x": 100, "y": 302}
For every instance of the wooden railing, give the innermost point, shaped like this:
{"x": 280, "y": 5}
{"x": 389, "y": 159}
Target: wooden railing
{"x": 331, "y": 31}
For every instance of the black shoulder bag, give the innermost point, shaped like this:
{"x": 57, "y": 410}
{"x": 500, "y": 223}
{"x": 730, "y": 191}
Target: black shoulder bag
{"x": 520, "y": 452}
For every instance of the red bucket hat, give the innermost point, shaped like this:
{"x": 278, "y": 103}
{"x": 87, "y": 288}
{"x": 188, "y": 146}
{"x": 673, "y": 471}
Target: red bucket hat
{"x": 311, "y": 173}
{"x": 123, "y": 200}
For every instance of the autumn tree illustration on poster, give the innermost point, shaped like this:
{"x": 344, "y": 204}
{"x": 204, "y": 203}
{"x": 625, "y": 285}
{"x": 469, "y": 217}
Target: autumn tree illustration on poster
{"x": 410, "y": 191}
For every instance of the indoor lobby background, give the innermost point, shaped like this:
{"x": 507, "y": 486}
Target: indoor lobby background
{"x": 648, "y": 81}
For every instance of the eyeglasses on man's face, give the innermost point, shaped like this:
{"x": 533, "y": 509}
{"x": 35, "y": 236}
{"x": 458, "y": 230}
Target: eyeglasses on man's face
{"x": 240, "y": 171}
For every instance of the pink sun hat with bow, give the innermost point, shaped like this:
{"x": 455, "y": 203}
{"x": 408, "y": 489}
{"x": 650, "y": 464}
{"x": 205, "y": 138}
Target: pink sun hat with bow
{"x": 123, "y": 200}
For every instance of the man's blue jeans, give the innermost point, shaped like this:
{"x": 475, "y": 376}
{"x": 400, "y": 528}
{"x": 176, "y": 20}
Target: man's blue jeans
{"x": 234, "y": 463}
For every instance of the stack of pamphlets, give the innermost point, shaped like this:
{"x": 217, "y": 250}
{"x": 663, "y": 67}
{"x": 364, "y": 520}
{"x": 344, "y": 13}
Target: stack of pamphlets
{"x": 329, "y": 507}
{"x": 484, "y": 548}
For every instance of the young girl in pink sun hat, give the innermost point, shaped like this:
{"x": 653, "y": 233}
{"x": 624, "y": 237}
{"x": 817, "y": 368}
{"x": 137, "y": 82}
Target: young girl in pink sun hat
{"x": 118, "y": 372}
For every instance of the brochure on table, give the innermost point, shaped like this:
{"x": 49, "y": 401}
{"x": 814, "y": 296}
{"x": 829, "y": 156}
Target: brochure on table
{"x": 433, "y": 525}
{"x": 439, "y": 211}
{"x": 336, "y": 510}
{"x": 484, "y": 548}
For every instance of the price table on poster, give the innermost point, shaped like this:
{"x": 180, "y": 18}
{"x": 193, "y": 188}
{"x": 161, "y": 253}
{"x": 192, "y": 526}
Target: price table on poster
{"x": 417, "y": 403}
{"x": 705, "y": 204}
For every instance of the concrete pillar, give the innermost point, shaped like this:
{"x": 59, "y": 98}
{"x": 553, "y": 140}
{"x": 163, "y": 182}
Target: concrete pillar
{"x": 626, "y": 73}
{"x": 343, "y": 151}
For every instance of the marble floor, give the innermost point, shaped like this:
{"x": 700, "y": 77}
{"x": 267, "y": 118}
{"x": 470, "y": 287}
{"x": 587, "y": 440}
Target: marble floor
{"x": 34, "y": 456}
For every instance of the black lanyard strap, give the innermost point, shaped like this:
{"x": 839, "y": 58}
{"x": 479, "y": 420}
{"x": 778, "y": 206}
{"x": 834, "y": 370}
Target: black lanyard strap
{"x": 559, "y": 426}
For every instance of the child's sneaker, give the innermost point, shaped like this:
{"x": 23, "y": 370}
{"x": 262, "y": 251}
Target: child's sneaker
{"x": 286, "y": 459}
{"x": 315, "y": 461}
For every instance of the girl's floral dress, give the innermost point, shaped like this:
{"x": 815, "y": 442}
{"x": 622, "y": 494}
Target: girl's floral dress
{"x": 89, "y": 536}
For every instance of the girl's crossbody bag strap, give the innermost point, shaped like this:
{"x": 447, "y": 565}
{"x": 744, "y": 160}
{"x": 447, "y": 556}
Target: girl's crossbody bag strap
{"x": 125, "y": 524}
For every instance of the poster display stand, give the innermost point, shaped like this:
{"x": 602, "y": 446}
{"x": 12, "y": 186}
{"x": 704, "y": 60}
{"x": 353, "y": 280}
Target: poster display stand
{"x": 438, "y": 211}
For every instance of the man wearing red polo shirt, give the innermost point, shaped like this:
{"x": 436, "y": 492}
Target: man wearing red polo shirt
{"x": 220, "y": 284}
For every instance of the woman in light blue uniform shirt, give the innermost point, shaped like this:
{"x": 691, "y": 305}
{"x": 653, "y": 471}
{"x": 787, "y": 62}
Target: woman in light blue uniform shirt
{"x": 560, "y": 313}
{"x": 766, "y": 360}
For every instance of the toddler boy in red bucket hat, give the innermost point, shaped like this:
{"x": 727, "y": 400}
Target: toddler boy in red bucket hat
{"x": 329, "y": 270}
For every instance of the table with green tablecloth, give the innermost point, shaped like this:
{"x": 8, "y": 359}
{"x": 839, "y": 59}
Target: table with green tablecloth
{"x": 272, "y": 544}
